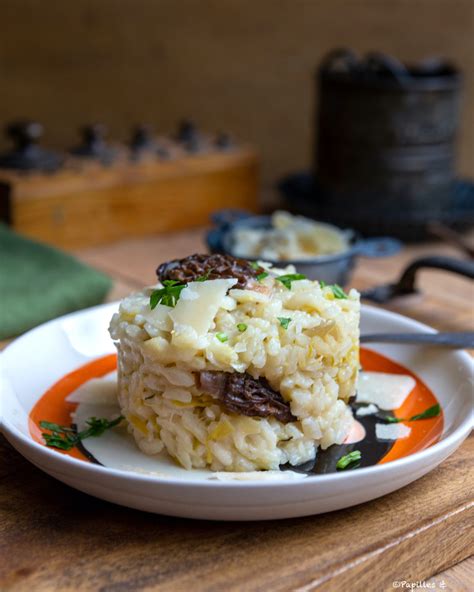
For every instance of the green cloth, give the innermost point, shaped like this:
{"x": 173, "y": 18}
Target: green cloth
{"x": 39, "y": 283}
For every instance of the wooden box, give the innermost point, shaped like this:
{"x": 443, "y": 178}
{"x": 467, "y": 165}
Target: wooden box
{"x": 84, "y": 204}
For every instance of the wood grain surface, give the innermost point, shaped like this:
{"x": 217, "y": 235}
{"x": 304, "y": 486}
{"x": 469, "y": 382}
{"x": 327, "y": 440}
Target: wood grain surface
{"x": 55, "y": 538}
{"x": 460, "y": 577}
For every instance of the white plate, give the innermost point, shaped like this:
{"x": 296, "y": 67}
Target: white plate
{"x": 39, "y": 358}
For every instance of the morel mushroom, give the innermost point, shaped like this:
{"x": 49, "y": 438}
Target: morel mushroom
{"x": 241, "y": 393}
{"x": 210, "y": 267}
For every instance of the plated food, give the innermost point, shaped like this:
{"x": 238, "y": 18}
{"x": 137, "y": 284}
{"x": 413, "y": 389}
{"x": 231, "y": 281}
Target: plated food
{"x": 288, "y": 238}
{"x": 230, "y": 374}
{"x": 241, "y": 367}
{"x": 237, "y": 367}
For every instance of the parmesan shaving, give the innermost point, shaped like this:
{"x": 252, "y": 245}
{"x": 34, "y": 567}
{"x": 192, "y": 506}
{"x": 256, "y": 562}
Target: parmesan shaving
{"x": 391, "y": 431}
{"x": 387, "y": 391}
{"x": 199, "y": 303}
{"x": 368, "y": 410}
{"x": 96, "y": 391}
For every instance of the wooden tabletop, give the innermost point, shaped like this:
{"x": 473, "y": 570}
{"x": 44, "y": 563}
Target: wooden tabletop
{"x": 56, "y": 538}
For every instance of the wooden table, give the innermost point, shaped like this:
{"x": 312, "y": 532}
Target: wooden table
{"x": 56, "y": 538}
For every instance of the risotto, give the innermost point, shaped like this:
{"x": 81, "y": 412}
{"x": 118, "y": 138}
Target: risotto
{"x": 237, "y": 366}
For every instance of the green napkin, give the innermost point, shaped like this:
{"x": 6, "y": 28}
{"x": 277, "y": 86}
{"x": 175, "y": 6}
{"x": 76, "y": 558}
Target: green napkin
{"x": 38, "y": 283}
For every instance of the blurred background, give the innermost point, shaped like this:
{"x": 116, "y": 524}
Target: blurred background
{"x": 367, "y": 142}
{"x": 241, "y": 65}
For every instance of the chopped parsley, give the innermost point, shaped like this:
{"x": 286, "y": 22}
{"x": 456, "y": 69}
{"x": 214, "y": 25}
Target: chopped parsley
{"x": 168, "y": 295}
{"x": 338, "y": 292}
{"x": 65, "y": 438}
{"x": 205, "y": 277}
{"x": 284, "y": 322}
{"x": 54, "y": 427}
{"x": 222, "y": 337}
{"x": 60, "y": 437}
{"x": 433, "y": 411}
{"x": 60, "y": 440}
{"x": 348, "y": 459}
{"x": 262, "y": 276}
{"x": 242, "y": 327}
{"x": 290, "y": 277}
{"x": 254, "y": 265}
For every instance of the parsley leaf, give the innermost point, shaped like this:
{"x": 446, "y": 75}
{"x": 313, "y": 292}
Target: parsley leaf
{"x": 65, "y": 438}
{"x": 428, "y": 413}
{"x": 262, "y": 276}
{"x": 254, "y": 265}
{"x": 54, "y": 427}
{"x": 60, "y": 441}
{"x": 433, "y": 411}
{"x": 222, "y": 337}
{"x": 205, "y": 277}
{"x": 97, "y": 426}
{"x": 391, "y": 419}
{"x": 242, "y": 327}
{"x": 60, "y": 437}
{"x": 290, "y": 277}
{"x": 284, "y": 322}
{"x": 338, "y": 292}
{"x": 168, "y": 295}
{"x": 348, "y": 460}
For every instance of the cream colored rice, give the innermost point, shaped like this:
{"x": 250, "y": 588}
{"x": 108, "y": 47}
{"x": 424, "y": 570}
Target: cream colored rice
{"x": 313, "y": 364}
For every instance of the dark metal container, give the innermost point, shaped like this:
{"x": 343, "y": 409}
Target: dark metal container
{"x": 385, "y": 133}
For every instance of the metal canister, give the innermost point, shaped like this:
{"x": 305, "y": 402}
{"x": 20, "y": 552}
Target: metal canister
{"x": 386, "y": 132}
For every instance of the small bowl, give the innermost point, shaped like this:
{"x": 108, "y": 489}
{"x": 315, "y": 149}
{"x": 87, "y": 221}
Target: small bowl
{"x": 332, "y": 269}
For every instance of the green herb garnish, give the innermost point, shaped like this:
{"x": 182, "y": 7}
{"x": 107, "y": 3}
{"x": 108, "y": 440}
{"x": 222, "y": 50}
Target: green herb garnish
{"x": 338, "y": 292}
{"x": 60, "y": 437}
{"x": 168, "y": 295}
{"x": 290, "y": 277}
{"x": 262, "y": 276}
{"x": 348, "y": 459}
{"x": 97, "y": 426}
{"x": 54, "y": 427}
{"x": 427, "y": 414}
{"x": 222, "y": 337}
{"x": 284, "y": 322}
{"x": 336, "y": 289}
{"x": 65, "y": 438}
{"x": 205, "y": 277}
{"x": 242, "y": 327}
{"x": 59, "y": 440}
{"x": 254, "y": 265}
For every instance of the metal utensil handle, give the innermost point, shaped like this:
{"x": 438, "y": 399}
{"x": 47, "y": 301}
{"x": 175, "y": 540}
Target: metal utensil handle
{"x": 406, "y": 283}
{"x": 454, "y": 340}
